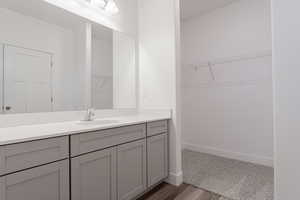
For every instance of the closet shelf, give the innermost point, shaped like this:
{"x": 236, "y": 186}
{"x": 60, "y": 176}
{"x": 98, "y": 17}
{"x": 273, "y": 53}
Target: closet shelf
{"x": 228, "y": 84}
{"x": 215, "y": 62}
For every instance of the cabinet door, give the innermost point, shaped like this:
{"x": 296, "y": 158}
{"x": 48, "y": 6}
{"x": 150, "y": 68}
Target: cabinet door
{"x": 94, "y": 176}
{"x": 48, "y": 182}
{"x": 157, "y": 155}
{"x": 131, "y": 169}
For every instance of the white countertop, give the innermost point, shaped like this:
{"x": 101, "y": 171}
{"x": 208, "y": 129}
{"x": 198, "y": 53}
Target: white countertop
{"x": 11, "y": 135}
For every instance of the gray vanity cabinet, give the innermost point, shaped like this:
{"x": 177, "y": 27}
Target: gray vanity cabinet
{"x": 157, "y": 158}
{"x": 47, "y": 182}
{"x": 94, "y": 176}
{"x": 113, "y": 164}
{"x": 131, "y": 170}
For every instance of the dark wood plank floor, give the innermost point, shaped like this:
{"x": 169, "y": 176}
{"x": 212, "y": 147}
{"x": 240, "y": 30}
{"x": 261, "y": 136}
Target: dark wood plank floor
{"x": 170, "y": 192}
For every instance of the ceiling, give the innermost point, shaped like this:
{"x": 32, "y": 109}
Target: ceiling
{"x": 191, "y": 8}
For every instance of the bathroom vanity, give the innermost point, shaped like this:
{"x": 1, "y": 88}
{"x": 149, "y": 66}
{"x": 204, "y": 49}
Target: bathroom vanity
{"x": 54, "y": 64}
{"x": 117, "y": 163}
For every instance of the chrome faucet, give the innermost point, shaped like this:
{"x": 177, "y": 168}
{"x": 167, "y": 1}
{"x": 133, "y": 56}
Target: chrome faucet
{"x": 89, "y": 115}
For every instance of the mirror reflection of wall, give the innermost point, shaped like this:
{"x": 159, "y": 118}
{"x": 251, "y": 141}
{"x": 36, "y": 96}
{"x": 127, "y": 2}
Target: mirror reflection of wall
{"x": 124, "y": 71}
{"x": 102, "y": 68}
{"x": 113, "y": 69}
{"x": 44, "y": 64}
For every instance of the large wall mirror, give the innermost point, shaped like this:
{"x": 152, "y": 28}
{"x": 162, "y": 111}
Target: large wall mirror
{"x": 52, "y": 60}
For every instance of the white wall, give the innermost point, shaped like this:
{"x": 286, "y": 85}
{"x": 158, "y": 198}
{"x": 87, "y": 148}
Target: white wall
{"x": 102, "y": 73}
{"x": 286, "y": 47}
{"x": 158, "y": 59}
{"x": 124, "y": 71}
{"x": 227, "y": 110}
{"x": 28, "y": 32}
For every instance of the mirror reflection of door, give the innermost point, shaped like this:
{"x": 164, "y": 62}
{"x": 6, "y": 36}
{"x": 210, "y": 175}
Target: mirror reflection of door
{"x": 27, "y": 80}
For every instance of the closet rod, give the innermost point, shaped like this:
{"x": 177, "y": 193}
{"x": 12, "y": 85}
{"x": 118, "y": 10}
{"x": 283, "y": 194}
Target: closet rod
{"x": 241, "y": 58}
{"x": 232, "y": 59}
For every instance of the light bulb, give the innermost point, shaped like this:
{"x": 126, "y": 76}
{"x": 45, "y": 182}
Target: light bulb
{"x": 111, "y": 7}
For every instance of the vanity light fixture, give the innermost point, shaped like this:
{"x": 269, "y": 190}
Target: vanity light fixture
{"x": 111, "y": 7}
{"x": 108, "y": 6}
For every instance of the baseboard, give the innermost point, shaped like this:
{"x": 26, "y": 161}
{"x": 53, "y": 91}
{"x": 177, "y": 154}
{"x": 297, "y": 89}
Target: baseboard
{"x": 175, "y": 179}
{"x": 266, "y": 161}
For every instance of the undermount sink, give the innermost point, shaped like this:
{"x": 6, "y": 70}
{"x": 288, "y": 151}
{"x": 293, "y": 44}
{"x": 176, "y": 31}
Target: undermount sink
{"x": 98, "y": 122}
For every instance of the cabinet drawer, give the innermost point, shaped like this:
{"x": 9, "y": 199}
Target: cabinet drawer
{"x": 93, "y": 141}
{"x": 158, "y": 127}
{"x": 21, "y": 156}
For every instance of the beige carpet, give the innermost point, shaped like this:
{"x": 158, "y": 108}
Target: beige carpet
{"x": 230, "y": 178}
